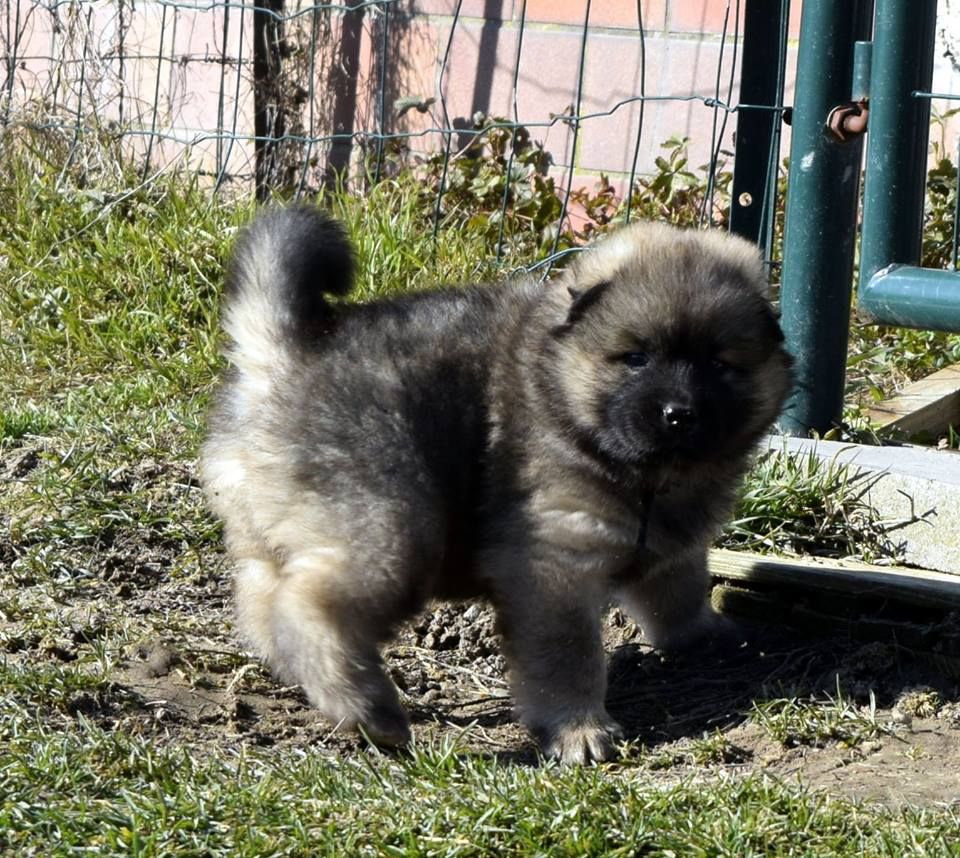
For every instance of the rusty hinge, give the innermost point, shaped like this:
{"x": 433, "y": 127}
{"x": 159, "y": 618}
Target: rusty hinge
{"x": 848, "y": 121}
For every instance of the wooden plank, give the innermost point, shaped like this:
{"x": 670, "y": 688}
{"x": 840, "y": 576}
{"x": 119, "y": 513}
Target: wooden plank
{"x": 927, "y": 406}
{"x": 911, "y": 586}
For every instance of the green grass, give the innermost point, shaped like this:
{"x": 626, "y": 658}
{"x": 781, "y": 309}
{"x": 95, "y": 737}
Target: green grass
{"x": 819, "y": 722}
{"x": 85, "y": 790}
{"x": 807, "y": 505}
{"x": 711, "y": 749}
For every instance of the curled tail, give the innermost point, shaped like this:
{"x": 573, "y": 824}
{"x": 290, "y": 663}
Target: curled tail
{"x": 283, "y": 266}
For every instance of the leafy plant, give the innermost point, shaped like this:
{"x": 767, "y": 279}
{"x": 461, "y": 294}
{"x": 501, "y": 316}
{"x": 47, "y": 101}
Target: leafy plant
{"x": 941, "y": 208}
{"x": 882, "y": 359}
{"x": 498, "y": 184}
{"x": 675, "y": 193}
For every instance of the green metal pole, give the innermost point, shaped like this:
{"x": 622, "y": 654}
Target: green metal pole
{"x": 903, "y": 46}
{"x": 821, "y": 216}
{"x": 758, "y": 121}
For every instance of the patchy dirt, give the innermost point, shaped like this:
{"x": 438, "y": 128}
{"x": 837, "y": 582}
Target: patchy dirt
{"x": 179, "y": 677}
{"x": 451, "y": 675}
{"x": 915, "y": 765}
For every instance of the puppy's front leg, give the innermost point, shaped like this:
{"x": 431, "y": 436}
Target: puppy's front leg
{"x": 671, "y": 603}
{"x": 550, "y": 621}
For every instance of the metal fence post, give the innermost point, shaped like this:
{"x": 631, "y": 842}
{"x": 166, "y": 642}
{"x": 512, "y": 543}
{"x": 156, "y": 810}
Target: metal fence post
{"x": 758, "y": 122}
{"x": 821, "y": 216}
{"x": 269, "y": 120}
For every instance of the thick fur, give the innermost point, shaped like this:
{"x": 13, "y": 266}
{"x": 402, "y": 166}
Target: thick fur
{"x": 545, "y": 446}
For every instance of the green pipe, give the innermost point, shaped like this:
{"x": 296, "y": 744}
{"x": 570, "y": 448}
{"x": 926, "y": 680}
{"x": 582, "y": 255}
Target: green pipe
{"x": 821, "y": 216}
{"x": 892, "y": 290}
{"x": 903, "y": 46}
{"x": 912, "y": 297}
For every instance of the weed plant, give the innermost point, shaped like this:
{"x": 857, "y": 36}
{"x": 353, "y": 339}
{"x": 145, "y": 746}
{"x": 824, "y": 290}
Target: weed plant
{"x": 804, "y": 505}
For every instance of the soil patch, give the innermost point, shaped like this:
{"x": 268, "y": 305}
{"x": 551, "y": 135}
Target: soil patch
{"x": 448, "y": 667}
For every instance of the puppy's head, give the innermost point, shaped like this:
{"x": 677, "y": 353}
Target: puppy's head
{"x": 666, "y": 347}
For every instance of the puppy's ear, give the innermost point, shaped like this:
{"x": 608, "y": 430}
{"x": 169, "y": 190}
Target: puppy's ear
{"x": 581, "y": 301}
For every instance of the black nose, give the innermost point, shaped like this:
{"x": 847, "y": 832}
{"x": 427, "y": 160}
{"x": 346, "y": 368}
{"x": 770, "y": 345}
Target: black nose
{"x": 678, "y": 417}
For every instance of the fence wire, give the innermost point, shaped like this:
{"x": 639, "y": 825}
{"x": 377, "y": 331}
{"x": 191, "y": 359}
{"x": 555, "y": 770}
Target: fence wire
{"x": 290, "y": 96}
{"x": 135, "y": 71}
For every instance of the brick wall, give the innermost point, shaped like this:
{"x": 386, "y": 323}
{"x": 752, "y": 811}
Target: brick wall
{"x": 182, "y": 89}
{"x": 686, "y": 55}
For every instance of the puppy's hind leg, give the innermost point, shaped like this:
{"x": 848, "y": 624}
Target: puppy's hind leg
{"x": 254, "y": 589}
{"x": 326, "y": 629}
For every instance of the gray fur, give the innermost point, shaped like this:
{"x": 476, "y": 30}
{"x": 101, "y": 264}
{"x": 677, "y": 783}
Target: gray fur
{"x": 547, "y": 447}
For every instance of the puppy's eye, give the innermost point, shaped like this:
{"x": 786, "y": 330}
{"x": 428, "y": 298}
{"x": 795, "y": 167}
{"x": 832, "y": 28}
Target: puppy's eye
{"x": 635, "y": 360}
{"x": 722, "y": 364}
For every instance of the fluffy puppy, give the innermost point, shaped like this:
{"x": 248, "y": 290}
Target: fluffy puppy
{"x": 548, "y": 447}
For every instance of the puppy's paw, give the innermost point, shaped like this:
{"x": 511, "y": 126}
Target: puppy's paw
{"x": 385, "y": 727}
{"x": 712, "y": 633}
{"x": 590, "y": 740}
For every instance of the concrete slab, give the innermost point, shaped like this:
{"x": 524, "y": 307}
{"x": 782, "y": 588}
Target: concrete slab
{"x": 916, "y": 491}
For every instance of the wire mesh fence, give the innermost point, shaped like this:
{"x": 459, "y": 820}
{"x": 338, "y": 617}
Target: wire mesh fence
{"x": 290, "y": 96}
{"x": 287, "y": 96}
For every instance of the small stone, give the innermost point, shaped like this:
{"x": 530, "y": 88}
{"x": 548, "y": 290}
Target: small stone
{"x": 160, "y": 658}
{"x": 898, "y": 716}
{"x": 24, "y": 464}
{"x": 83, "y": 703}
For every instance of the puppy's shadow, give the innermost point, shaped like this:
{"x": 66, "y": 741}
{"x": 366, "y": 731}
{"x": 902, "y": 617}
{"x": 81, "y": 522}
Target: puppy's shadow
{"x": 660, "y": 698}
